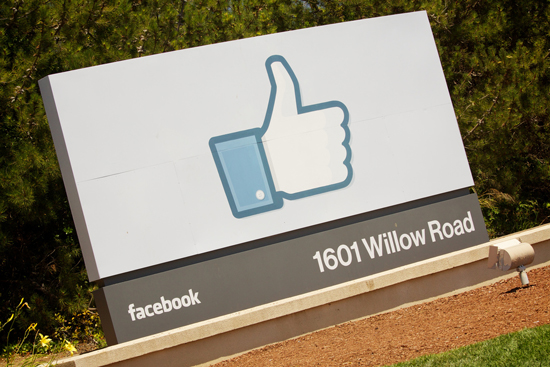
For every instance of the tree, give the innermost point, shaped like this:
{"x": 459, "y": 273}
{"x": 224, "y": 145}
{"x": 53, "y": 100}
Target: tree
{"x": 494, "y": 54}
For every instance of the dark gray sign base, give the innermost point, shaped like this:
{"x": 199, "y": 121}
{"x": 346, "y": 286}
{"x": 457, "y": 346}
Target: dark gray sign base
{"x": 230, "y": 282}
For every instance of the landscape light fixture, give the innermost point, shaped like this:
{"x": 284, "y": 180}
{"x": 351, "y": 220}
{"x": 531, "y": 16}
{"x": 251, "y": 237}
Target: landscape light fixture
{"x": 512, "y": 254}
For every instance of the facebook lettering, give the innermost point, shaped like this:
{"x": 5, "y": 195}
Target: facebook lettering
{"x": 164, "y": 306}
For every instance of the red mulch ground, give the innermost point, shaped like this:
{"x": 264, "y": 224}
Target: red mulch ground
{"x": 432, "y": 327}
{"x": 428, "y": 328}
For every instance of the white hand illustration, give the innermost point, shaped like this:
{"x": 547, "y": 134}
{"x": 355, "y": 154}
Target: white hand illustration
{"x": 305, "y": 150}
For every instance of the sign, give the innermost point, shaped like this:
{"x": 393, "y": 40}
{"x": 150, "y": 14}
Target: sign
{"x": 173, "y": 162}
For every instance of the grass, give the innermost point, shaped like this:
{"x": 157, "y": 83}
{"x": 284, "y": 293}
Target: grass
{"x": 529, "y": 347}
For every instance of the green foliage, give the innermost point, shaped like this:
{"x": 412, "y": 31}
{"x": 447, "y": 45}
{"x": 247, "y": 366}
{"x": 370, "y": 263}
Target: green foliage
{"x": 83, "y": 326}
{"x": 33, "y": 345}
{"x": 495, "y": 57}
{"x": 26, "y": 345}
{"x": 10, "y": 349}
{"x": 529, "y": 347}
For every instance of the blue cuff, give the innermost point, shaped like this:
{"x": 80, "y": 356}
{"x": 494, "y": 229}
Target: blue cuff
{"x": 242, "y": 165}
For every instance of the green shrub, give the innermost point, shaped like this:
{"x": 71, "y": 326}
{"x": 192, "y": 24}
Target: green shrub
{"x": 494, "y": 55}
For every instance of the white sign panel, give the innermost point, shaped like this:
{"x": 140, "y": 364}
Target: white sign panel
{"x": 186, "y": 152}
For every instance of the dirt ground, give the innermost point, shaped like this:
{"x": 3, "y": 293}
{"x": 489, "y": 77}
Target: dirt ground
{"x": 432, "y": 327}
{"x": 428, "y": 328}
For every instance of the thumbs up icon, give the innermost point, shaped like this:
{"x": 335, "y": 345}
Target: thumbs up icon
{"x": 299, "y": 151}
